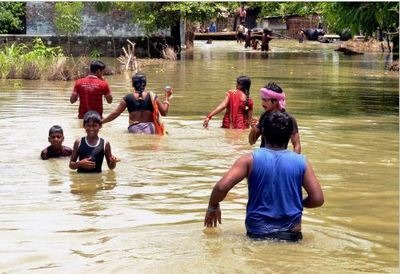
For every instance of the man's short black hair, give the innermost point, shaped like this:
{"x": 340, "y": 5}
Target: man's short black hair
{"x": 277, "y": 128}
{"x": 96, "y": 65}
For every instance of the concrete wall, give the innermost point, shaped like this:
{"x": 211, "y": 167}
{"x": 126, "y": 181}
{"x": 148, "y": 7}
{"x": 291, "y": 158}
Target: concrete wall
{"x": 104, "y": 45}
{"x": 40, "y": 21}
{"x": 105, "y": 33}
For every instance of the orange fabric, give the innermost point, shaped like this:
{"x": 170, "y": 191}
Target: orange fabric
{"x": 159, "y": 126}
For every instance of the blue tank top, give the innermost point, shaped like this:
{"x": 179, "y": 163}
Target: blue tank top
{"x": 96, "y": 153}
{"x": 275, "y": 191}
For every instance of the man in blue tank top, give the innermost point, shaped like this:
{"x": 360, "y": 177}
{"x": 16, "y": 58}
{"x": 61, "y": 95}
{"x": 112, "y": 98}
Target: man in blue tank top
{"x": 275, "y": 180}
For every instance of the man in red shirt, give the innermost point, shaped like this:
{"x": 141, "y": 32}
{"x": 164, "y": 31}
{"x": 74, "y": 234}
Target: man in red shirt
{"x": 91, "y": 90}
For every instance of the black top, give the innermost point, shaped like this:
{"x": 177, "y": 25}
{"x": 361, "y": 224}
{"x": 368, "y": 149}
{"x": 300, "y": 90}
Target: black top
{"x": 96, "y": 153}
{"x": 138, "y": 105}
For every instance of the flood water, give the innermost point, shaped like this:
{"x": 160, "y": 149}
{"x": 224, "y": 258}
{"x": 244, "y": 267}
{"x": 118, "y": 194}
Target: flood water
{"x": 146, "y": 216}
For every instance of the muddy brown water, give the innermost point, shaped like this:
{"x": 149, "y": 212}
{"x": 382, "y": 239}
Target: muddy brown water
{"x": 146, "y": 216}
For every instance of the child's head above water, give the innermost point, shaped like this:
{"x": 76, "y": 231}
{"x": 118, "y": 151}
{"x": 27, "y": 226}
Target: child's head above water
{"x": 56, "y": 129}
{"x": 92, "y": 116}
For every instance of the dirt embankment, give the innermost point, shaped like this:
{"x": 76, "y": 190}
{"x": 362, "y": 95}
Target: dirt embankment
{"x": 372, "y": 45}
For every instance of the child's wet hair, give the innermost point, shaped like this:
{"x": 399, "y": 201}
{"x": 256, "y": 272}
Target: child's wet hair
{"x": 96, "y": 65}
{"x": 92, "y": 116}
{"x": 56, "y": 129}
{"x": 274, "y": 87}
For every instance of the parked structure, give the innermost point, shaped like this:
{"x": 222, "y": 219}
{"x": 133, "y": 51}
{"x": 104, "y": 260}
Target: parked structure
{"x": 289, "y": 26}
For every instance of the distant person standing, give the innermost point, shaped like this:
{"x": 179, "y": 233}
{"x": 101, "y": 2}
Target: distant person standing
{"x": 213, "y": 27}
{"x": 247, "y": 39}
{"x": 266, "y": 37}
{"x": 301, "y": 36}
{"x": 91, "y": 89}
{"x": 242, "y": 15}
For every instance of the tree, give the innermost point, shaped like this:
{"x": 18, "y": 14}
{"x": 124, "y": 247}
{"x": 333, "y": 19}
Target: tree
{"x": 11, "y": 17}
{"x": 68, "y": 19}
{"x": 155, "y": 16}
{"x": 365, "y": 17}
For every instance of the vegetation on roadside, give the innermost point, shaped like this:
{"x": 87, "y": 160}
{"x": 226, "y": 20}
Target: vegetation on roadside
{"x": 68, "y": 19}
{"x": 37, "y": 61}
{"x": 11, "y": 17}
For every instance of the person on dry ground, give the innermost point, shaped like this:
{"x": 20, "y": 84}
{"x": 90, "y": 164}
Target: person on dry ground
{"x": 56, "y": 148}
{"x": 275, "y": 178}
{"x": 91, "y": 89}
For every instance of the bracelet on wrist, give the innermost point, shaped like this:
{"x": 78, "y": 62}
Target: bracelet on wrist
{"x": 209, "y": 117}
{"x": 212, "y": 209}
{"x": 166, "y": 102}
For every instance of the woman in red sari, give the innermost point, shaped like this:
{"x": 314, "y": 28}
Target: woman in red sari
{"x": 238, "y": 105}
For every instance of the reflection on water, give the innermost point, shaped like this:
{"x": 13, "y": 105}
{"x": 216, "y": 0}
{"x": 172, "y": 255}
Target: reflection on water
{"x": 147, "y": 214}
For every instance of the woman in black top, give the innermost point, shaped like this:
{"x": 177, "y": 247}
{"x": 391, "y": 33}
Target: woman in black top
{"x": 143, "y": 106}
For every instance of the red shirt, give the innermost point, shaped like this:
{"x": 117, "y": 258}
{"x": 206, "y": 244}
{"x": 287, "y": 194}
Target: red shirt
{"x": 90, "y": 90}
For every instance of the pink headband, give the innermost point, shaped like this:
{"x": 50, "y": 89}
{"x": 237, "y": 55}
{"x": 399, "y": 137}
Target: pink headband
{"x": 270, "y": 94}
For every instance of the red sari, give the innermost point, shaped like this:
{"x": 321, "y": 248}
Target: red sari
{"x": 236, "y": 115}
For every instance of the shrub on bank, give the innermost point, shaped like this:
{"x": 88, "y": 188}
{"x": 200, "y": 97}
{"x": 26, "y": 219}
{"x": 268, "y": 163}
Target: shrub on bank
{"x": 20, "y": 61}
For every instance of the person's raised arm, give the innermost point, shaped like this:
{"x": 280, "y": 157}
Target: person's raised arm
{"x": 236, "y": 173}
{"x": 217, "y": 110}
{"x": 115, "y": 113}
{"x": 164, "y": 105}
{"x": 315, "y": 197}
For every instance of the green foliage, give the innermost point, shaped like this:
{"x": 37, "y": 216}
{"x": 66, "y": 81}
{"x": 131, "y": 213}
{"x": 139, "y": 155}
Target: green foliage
{"x": 11, "y": 15}
{"x": 362, "y": 16}
{"x": 95, "y": 54}
{"x": 18, "y": 58}
{"x": 68, "y": 18}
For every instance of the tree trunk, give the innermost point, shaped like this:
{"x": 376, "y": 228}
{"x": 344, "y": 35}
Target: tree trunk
{"x": 395, "y": 39}
{"x": 148, "y": 47}
{"x": 189, "y": 35}
{"x": 176, "y": 37}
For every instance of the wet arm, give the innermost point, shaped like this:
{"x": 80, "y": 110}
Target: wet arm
{"x": 73, "y": 164}
{"x": 115, "y": 113}
{"x": 43, "y": 154}
{"x": 217, "y": 110}
{"x": 254, "y": 134}
{"x": 111, "y": 159}
{"x": 295, "y": 139}
{"x": 74, "y": 97}
{"x": 163, "y": 106}
{"x": 315, "y": 197}
{"x": 109, "y": 98}
{"x": 220, "y": 107}
{"x": 237, "y": 173}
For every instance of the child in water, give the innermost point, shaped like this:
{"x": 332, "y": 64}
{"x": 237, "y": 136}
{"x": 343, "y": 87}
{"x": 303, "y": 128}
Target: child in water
{"x": 55, "y": 149}
{"x": 91, "y": 149}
